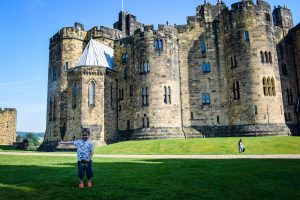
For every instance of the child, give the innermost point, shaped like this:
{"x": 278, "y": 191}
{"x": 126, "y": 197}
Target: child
{"x": 85, "y": 152}
{"x": 241, "y": 146}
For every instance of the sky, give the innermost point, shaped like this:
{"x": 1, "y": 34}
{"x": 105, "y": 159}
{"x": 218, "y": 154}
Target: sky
{"x": 27, "y": 25}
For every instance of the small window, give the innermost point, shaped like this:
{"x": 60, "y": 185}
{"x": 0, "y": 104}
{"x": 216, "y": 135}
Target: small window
{"x": 203, "y": 49}
{"x": 67, "y": 67}
{"x": 192, "y": 115}
{"x": 255, "y": 110}
{"x": 128, "y": 124}
{"x": 262, "y": 57}
{"x": 131, "y": 90}
{"x": 218, "y": 119}
{"x": 247, "y": 38}
{"x": 92, "y": 94}
{"x": 236, "y": 90}
{"x": 74, "y": 95}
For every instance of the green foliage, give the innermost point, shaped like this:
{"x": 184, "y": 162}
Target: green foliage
{"x": 39, "y": 177}
{"x": 219, "y": 146}
{"x": 32, "y": 139}
{"x": 19, "y": 138}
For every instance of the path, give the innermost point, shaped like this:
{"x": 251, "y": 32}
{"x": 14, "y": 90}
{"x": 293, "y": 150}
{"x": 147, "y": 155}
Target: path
{"x": 54, "y": 154}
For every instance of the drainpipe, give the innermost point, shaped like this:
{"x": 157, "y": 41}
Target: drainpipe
{"x": 117, "y": 116}
{"x": 180, "y": 90}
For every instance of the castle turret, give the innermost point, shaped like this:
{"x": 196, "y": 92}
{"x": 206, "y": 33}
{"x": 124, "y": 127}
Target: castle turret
{"x": 255, "y": 99}
{"x": 283, "y": 18}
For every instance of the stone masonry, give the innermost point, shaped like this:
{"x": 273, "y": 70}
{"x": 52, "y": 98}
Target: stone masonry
{"x": 218, "y": 75}
{"x": 8, "y": 122}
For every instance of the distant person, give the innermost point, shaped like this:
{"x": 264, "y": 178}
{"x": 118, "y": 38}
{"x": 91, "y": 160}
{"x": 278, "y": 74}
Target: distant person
{"x": 241, "y": 146}
{"x": 85, "y": 152}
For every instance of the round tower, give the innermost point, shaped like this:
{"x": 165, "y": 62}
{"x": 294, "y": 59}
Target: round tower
{"x": 254, "y": 89}
{"x": 158, "y": 110}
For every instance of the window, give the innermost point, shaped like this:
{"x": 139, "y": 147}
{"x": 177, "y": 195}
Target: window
{"x": 128, "y": 124}
{"x": 218, "y": 119}
{"x": 145, "y": 96}
{"x": 290, "y": 96}
{"x": 148, "y": 66}
{"x": 270, "y": 57}
{"x": 247, "y": 38}
{"x": 131, "y": 90}
{"x": 74, "y": 95}
{"x": 125, "y": 73}
{"x": 205, "y": 99}
{"x": 203, "y": 49}
{"x": 158, "y": 45}
{"x": 269, "y": 86}
{"x": 236, "y": 90}
{"x": 266, "y": 57}
{"x": 124, "y": 58}
{"x": 284, "y": 69}
{"x": 167, "y": 95}
{"x": 66, "y": 67}
{"x": 121, "y": 94}
{"x": 92, "y": 94}
{"x": 273, "y": 87}
{"x": 192, "y": 115}
{"x": 255, "y": 110}
{"x": 262, "y": 57}
{"x": 145, "y": 121}
{"x": 268, "y": 18}
{"x": 206, "y": 68}
{"x": 265, "y": 86}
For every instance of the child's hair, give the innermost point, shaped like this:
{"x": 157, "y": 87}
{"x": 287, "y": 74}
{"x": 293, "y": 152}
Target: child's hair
{"x": 85, "y": 130}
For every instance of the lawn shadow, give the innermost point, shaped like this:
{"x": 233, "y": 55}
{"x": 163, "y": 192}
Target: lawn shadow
{"x": 155, "y": 179}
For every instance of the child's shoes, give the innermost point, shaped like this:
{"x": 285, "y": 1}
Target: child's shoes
{"x": 89, "y": 184}
{"x": 81, "y": 185}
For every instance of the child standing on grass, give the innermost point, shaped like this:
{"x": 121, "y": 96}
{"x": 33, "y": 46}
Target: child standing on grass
{"x": 241, "y": 146}
{"x": 85, "y": 152}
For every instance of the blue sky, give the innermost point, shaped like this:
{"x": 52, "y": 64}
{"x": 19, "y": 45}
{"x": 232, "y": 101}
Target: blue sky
{"x": 27, "y": 25}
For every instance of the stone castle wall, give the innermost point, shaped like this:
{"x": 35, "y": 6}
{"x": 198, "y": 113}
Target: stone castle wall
{"x": 8, "y": 123}
{"x": 229, "y": 40}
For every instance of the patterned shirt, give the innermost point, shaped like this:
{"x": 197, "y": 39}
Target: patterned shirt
{"x": 84, "y": 149}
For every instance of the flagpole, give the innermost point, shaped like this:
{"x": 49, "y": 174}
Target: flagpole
{"x": 122, "y": 6}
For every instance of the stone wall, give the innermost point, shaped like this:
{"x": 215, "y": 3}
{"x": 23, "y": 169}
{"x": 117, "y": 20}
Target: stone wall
{"x": 8, "y": 123}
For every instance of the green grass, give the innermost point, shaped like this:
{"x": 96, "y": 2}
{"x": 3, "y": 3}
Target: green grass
{"x": 55, "y": 178}
{"x": 254, "y": 145}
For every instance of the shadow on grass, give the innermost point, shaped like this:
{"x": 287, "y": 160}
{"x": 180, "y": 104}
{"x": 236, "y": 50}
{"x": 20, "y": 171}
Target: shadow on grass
{"x": 156, "y": 179}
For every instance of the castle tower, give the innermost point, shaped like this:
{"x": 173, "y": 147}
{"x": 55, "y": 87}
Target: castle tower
{"x": 283, "y": 18}
{"x": 254, "y": 88}
{"x": 156, "y": 103}
{"x": 89, "y": 86}
{"x": 65, "y": 49}
{"x": 8, "y": 124}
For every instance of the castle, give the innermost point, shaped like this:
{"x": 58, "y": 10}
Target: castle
{"x": 227, "y": 72}
{"x": 8, "y": 121}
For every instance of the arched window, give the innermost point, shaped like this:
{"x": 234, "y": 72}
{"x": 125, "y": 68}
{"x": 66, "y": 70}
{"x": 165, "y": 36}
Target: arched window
{"x": 270, "y": 57}
{"x": 145, "y": 67}
{"x": 205, "y": 99}
{"x": 148, "y": 66}
{"x": 156, "y": 44}
{"x": 161, "y": 45}
{"x": 269, "y": 86}
{"x": 266, "y": 57}
{"x": 92, "y": 94}
{"x": 247, "y": 38}
{"x": 265, "y": 87}
{"x": 206, "y": 67}
{"x": 262, "y": 57}
{"x": 273, "y": 87}
{"x": 203, "y": 48}
{"x": 74, "y": 95}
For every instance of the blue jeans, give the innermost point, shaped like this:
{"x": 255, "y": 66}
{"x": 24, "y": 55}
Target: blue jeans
{"x": 85, "y": 168}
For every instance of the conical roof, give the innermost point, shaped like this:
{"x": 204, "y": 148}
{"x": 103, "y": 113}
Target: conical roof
{"x": 97, "y": 54}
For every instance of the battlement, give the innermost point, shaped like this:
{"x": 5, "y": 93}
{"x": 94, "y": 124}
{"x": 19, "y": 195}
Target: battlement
{"x": 105, "y": 32}
{"x": 4, "y": 110}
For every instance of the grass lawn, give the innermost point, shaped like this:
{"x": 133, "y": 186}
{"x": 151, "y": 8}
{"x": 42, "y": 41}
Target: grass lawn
{"x": 254, "y": 145}
{"x": 55, "y": 178}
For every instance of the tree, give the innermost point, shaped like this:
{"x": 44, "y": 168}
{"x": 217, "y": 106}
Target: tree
{"x": 19, "y": 138}
{"x": 32, "y": 139}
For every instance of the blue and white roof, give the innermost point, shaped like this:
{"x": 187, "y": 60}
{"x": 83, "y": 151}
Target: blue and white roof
{"x": 97, "y": 54}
